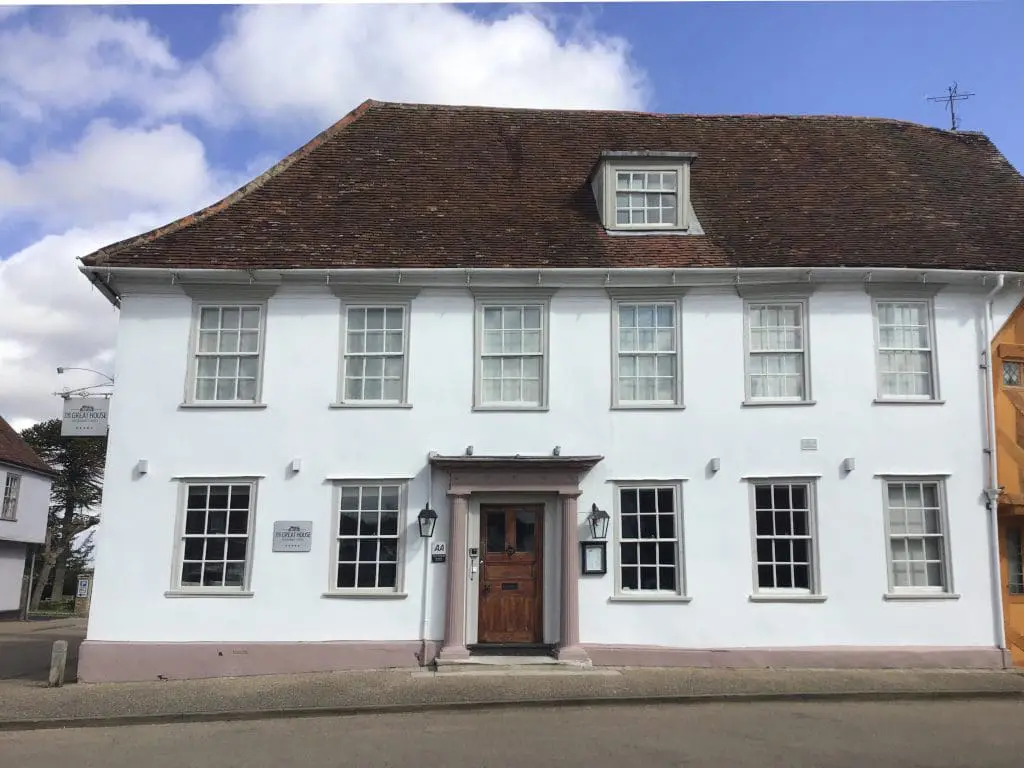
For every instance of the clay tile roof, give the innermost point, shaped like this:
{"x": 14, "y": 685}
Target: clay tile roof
{"x": 15, "y": 451}
{"x": 403, "y": 185}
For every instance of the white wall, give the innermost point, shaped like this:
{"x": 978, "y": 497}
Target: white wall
{"x": 33, "y": 507}
{"x": 12, "y": 569}
{"x": 134, "y": 568}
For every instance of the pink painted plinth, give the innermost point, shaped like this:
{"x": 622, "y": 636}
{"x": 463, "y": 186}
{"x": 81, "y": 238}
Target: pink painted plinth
{"x": 102, "y": 661}
{"x": 822, "y": 657}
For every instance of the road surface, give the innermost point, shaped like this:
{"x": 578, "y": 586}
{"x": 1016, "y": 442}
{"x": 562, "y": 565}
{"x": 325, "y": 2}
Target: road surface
{"x": 880, "y": 735}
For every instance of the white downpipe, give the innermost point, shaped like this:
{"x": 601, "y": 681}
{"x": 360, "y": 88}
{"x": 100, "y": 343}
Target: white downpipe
{"x": 425, "y": 598}
{"x": 992, "y": 492}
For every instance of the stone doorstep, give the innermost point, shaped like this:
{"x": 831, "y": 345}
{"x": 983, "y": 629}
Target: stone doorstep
{"x": 514, "y": 670}
{"x": 509, "y": 665}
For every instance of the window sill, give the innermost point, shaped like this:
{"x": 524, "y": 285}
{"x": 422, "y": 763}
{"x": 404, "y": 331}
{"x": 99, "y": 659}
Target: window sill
{"x": 226, "y": 406}
{"x": 648, "y": 407}
{"x": 365, "y": 595}
{"x": 369, "y": 404}
{"x": 897, "y": 596}
{"x": 175, "y": 593}
{"x": 775, "y": 403}
{"x": 510, "y": 408}
{"x": 650, "y": 599}
{"x": 768, "y": 597}
{"x": 905, "y": 401}
{"x": 8, "y": 519}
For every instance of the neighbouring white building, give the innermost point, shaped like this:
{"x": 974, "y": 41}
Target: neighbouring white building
{"x": 25, "y": 481}
{"x": 758, "y": 344}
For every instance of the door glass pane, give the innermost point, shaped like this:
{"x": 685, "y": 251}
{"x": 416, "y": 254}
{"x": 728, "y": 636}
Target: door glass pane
{"x": 526, "y": 527}
{"x": 1014, "y": 562}
{"x": 495, "y": 531}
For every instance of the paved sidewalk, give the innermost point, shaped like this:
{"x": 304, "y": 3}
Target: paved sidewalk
{"x": 25, "y": 704}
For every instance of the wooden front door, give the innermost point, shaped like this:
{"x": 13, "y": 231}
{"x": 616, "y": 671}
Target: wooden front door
{"x": 510, "y": 574}
{"x": 1011, "y": 557}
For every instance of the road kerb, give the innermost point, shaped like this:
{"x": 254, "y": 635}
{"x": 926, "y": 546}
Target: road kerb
{"x": 462, "y": 706}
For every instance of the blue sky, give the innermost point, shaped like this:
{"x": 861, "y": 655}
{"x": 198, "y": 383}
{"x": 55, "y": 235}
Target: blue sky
{"x": 117, "y": 119}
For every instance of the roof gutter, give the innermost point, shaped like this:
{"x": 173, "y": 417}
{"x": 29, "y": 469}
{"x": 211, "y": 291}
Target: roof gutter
{"x": 549, "y": 276}
{"x": 100, "y": 284}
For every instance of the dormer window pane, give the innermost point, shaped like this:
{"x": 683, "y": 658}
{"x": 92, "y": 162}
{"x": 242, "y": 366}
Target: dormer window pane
{"x": 647, "y": 197}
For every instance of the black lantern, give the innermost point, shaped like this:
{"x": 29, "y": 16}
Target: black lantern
{"x": 426, "y": 518}
{"x": 598, "y": 520}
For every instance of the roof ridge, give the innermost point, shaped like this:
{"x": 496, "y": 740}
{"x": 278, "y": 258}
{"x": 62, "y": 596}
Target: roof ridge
{"x": 692, "y": 115}
{"x": 204, "y": 213}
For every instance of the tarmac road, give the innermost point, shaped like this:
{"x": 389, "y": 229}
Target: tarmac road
{"x": 26, "y": 646}
{"x": 789, "y": 735}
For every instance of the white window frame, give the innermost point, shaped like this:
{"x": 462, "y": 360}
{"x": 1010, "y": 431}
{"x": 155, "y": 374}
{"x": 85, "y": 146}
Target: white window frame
{"x": 244, "y": 590}
{"x": 813, "y": 591}
{"x": 929, "y": 305}
{"x": 209, "y": 296}
{"x": 11, "y": 493}
{"x": 398, "y": 591}
{"x": 945, "y": 550}
{"x": 777, "y": 301}
{"x": 346, "y": 308}
{"x": 679, "y": 548}
{"x": 486, "y": 300}
{"x": 621, "y": 300}
{"x": 608, "y": 185}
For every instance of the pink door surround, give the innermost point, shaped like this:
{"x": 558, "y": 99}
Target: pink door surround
{"x": 513, "y": 474}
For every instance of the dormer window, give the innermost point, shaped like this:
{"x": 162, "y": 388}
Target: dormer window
{"x": 646, "y": 198}
{"x": 644, "y": 191}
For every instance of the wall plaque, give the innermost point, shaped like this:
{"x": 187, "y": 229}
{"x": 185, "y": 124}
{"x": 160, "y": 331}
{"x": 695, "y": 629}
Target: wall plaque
{"x": 293, "y": 535}
{"x": 438, "y": 552}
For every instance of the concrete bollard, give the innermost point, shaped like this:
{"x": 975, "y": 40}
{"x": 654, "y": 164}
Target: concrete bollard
{"x": 58, "y": 660}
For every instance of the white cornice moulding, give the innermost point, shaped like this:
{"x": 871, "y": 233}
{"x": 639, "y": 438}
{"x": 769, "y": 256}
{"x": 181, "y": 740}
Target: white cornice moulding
{"x": 359, "y": 293}
{"x": 794, "y": 290}
{"x": 889, "y": 289}
{"x": 114, "y": 281}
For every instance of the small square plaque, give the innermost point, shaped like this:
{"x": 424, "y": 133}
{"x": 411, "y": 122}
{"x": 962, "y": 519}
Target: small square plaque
{"x": 594, "y": 557}
{"x": 293, "y": 535}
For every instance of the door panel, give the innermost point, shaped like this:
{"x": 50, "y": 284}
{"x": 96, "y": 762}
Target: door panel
{"x": 1011, "y": 557}
{"x": 510, "y": 574}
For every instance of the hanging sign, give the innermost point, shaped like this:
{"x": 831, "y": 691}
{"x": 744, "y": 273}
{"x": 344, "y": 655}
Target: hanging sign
{"x": 85, "y": 417}
{"x": 438, "y": 552}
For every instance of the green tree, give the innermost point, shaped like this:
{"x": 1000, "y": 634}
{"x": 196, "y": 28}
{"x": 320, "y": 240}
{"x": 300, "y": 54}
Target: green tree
{"x": 77, "y": 490}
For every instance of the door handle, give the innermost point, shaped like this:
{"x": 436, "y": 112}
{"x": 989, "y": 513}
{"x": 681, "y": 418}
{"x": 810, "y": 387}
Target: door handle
{"x": 510, "y": 550}
{"x": 486, "y": 588}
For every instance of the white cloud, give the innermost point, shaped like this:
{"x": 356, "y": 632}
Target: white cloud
{"x": 424, "y": 53}
{"x": 81, "y": 59}
{"x": 50, "y": 316}
{"x": 291, "y": 62}
{"x": 292, "y": 66}
{"x": 109, "y": 173}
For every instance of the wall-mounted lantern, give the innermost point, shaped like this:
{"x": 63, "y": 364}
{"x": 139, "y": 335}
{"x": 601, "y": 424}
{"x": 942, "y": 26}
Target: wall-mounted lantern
{"x": 598, "y": 520}
{"x": 427, "y": 518}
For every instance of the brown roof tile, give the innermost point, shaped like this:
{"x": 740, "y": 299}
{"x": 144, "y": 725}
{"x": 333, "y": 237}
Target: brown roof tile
{"x": 400, "y": 185}
{"x": 14, "y": 450}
